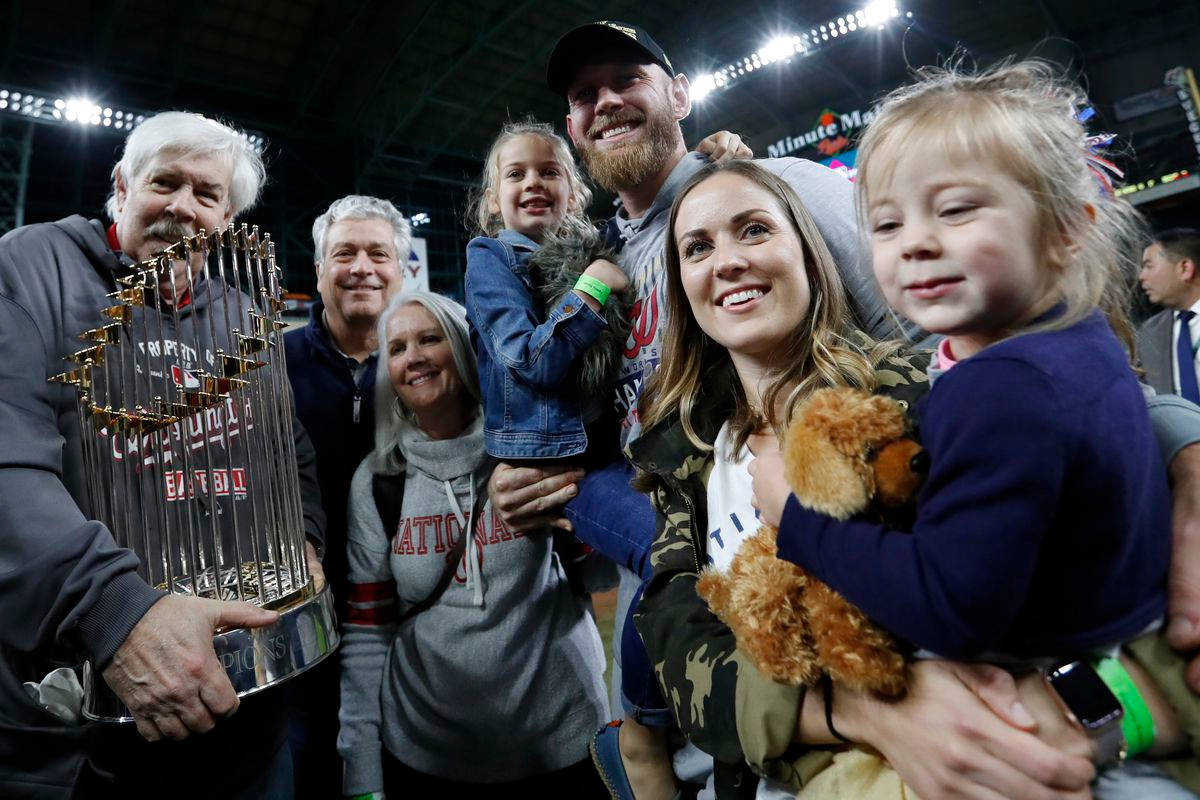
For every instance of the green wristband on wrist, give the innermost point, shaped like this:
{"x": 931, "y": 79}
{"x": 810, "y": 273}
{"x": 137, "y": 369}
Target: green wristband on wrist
{"x": 1137, "y": 725}
{"x": 594, "y": 288}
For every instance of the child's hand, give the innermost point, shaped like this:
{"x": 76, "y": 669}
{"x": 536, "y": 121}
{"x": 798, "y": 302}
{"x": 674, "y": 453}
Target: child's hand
{"x": 770, "y": 487}
{"x": 607, "y": 273}
{"x": 723, "y": 146}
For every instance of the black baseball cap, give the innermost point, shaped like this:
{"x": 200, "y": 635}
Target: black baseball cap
{"x": 581, "y": 45}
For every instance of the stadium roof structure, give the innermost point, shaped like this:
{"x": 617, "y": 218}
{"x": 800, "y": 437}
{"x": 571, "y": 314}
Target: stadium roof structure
{"x": 401, "y": 99}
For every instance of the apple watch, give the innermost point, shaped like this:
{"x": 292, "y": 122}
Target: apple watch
{"x": 1092, "y": 705}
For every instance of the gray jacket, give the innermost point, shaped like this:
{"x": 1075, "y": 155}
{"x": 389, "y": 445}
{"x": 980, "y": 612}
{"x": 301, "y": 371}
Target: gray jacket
{"x": 1157, "y": 351}
{"x": 67, "y": 590}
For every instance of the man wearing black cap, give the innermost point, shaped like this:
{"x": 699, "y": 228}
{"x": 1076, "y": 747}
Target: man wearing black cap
{"x": 625, "y": 108}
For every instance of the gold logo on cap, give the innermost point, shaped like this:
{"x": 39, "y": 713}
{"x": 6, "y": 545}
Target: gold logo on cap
{"x": 630, "y": 32}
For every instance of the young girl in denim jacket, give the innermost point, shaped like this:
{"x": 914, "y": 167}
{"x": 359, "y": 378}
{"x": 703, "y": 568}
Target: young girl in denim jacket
{"x": 1043, "y": 529}
{"x": 531, "y": 189}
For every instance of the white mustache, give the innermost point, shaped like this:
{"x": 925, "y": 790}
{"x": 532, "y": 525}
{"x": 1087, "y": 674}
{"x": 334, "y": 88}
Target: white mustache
{"x": 167, "y": 229}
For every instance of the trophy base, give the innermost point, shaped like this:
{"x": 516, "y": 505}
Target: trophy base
{"x": 254, "y": 658}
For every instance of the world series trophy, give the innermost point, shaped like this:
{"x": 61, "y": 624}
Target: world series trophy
{"x": 186, "y": 427}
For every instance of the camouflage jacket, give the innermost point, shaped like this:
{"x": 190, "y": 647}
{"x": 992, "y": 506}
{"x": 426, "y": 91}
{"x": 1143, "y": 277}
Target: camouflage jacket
{"x": 722, "y": 703}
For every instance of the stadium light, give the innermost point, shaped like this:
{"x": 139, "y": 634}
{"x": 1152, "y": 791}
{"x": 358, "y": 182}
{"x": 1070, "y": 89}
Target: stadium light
{"x": 876, "y": 14}
{"x": 81, "y": 111}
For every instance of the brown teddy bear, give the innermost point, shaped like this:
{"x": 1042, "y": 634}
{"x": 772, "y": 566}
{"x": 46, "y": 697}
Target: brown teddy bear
{"x": 845, "y": 453}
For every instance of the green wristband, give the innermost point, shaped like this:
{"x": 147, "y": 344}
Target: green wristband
{"x": 1136, "y": 724}
{"x": 593, "y": 287}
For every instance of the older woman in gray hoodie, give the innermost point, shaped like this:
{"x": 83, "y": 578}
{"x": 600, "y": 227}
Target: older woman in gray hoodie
{"x": 465, "y": 661}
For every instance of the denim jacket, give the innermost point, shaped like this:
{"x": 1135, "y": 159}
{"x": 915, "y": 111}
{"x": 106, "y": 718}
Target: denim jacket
{"x": 531, "y": 402}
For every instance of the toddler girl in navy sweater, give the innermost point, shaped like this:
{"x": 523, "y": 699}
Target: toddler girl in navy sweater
{"x": 1043, "y": 529}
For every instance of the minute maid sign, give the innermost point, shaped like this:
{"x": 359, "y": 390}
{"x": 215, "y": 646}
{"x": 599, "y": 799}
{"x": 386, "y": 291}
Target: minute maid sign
{"x": 829, "y": 136}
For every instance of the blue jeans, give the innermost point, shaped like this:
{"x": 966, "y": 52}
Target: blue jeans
{"x": 613, "y": 519}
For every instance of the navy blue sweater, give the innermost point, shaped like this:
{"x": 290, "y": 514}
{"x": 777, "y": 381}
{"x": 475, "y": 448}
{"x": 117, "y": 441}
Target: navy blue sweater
{"x": 1043, "y": 528}
{"x": 340, "y": 419}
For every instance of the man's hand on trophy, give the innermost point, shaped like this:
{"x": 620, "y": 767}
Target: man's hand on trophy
{"x": 314, "y": 566}
{"x": 167, "y": 672}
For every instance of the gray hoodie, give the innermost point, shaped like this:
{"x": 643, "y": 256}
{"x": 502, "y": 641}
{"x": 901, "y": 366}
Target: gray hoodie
{"x": 500, "y": 679}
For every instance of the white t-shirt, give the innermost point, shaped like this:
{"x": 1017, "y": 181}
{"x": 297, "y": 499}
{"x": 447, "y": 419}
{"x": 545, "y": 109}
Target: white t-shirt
{"x": 732, "y": 520}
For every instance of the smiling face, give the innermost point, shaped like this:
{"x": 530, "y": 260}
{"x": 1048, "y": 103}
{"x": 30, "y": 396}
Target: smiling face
{"x": 421, "y": 363}
{"x": 956, "y": 248}
{"x": 359, "y": 270}
{"x": 624, "y": 121}
{"x": 531, "y": 192}
{"x": 742, "y": 268}
{"x": 172, "y": 197}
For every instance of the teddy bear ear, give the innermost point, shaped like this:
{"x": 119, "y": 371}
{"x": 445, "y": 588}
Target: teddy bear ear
{"x": 822, "y": 478}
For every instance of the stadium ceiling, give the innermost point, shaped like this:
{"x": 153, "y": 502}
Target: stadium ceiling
{"x": 417, "y": 89}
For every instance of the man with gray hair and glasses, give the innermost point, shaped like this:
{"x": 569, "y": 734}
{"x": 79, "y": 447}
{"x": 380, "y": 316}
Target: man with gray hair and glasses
{"x": 361, "y": 246}
{"x": 69, "y": 593}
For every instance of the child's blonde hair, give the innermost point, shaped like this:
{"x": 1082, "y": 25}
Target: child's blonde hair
{"x": 825, "y": 349}
{"x": 481, "y": 222}
{"x": 1022, "y": 118}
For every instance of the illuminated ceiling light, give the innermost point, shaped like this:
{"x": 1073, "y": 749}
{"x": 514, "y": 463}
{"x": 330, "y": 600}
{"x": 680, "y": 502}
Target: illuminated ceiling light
{"x": 781, "y": 48}
{"x": 776, "y": 49}
{"x": 878, "y": 11}
{"x": 77, "y": 110}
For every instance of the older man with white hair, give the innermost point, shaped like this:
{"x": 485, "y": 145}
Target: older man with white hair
{"x": 361, "y": 246}
{"x": 68, "y": 592}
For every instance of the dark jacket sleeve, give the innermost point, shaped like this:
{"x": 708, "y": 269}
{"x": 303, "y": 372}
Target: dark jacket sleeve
{"x": 65, "y": 586}
{"x": 310, "y": 487}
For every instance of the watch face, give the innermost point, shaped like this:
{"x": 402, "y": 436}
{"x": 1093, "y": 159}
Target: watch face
{"x": 1081, "y": 689}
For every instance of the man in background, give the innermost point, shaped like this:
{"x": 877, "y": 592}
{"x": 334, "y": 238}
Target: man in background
{"x": 1166, "y": 341}
{"x": 361, "y": 245}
